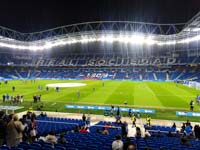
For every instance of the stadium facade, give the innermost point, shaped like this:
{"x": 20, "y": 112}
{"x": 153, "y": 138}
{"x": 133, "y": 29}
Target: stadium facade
{"x": 104, "y": 50}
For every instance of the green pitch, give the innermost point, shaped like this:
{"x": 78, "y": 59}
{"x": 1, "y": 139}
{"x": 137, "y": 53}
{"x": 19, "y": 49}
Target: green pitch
{"x": 156, "y": 95}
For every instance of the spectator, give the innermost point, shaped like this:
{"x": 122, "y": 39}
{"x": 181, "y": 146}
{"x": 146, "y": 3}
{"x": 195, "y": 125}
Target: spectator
{"x": 9, "y": 117}
{"x": 83, "y": 130}
{"x": 14, "y": 132}
{"x": 159, "y": 134}
{"x": 191, "y": 135}
{"x": 84, "y": 118}
{"x": 117, "y": 144}
{"x": 169, "y": 134}
{"x": 41, "y": 114}
{"x": 183, "y": 128}
{"x": 197, "y": 131}
{"x": 118, "y": 119}
{"x": 105, "y": 131}
{"x": 45, "y": 114}
{"x": 124, "y": 128}
{"x": 184, "y": 140}
{"x": 88, "y": 120}
{"x": 24, "y": 120}
{"x": 76, "y": 129}
{"x": 33, "y": 128}
{"x": 62, "y": 139}
{"x": 147, "y": 134}
{"x": 147, "y": 148}
{"x": 188, "y": 129}
{"x": 131, "y": 147}
{"x": 29, "y": 113}
{"x": 174, "y": 125}
{"x": 138, "y": 133}
{"x": 51, "y": 138}
{"x": 188, "y": 123}
{"x": 127, "y": 143}
{"x": 177, "y": 134}
{"x": 98, "y": 131}
{"x": 107, "y": 126}
{"x": 25, "y": 133}
{"x": 87, "y": 129}
{"x": 3, "y": 125}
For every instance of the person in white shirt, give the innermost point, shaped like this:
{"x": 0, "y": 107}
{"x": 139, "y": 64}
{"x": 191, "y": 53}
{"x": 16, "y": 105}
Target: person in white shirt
{"x": 117, "y": 144}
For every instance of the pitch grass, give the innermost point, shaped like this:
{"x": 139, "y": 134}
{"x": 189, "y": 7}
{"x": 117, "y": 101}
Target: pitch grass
{"x": 164, "y": 97}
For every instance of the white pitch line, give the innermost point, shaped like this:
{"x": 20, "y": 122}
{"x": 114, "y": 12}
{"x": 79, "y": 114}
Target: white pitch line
{"x": 53, "y": 104}
{"x": 173, "y": 95}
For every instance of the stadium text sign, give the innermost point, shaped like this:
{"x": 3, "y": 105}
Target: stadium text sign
{"x": 148, "y": 111}
{"x": 193, "y": 114}
{"x": 92, "y": 61}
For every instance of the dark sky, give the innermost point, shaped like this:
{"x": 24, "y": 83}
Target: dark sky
{"x": 33, "y": 15}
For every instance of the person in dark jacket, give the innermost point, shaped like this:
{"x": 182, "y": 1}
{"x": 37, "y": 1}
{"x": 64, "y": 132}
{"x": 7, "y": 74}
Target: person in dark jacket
{"x": 3, "y": 126}
{"x": 62, "y": 139}
{"x": 84, "y": 118}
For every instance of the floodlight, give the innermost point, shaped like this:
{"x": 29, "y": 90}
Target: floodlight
{"x": 137, "y": 39}
{"x": 196, "y": 29}
{"x": 149, "y": 41}
{"x": 109, "y": 38}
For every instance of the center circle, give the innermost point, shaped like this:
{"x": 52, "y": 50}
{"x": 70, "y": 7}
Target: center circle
{"x": 61, "y": 85}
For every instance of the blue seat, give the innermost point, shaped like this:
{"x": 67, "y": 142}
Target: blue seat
{"x": 72, "y": 148}
{"x": 47, "y": 147}
{"x": 4, "y": 147}
{"x": 17, "y": 148}
{"x": 32, "y": 147}
{"x": 60, "y": 148}
{"x": 36, "y": 144}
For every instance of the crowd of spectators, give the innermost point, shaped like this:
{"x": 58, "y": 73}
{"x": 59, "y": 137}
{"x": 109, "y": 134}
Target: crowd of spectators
{"x": 185, "y": 134}
{"x": 118, "y": 144}
{"x": 14, "y": 130}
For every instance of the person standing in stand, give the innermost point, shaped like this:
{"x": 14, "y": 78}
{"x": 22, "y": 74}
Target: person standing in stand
{"x": 84, "y": 118}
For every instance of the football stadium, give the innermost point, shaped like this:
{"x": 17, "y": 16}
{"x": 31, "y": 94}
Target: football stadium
{"x": 101, "y": 85}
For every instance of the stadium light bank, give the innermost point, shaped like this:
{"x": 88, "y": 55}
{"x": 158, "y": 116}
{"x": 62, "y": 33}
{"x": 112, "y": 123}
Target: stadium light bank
{"x": 135, "y": 39}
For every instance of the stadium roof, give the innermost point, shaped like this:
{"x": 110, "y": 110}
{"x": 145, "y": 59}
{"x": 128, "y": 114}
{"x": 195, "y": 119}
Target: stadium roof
{"x": 121, "y": 31}
{"x": 193, "y": 25}
{"x": 36, "y": 15}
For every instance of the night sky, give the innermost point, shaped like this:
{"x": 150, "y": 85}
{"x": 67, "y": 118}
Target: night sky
{"x": 33, "y": 15}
